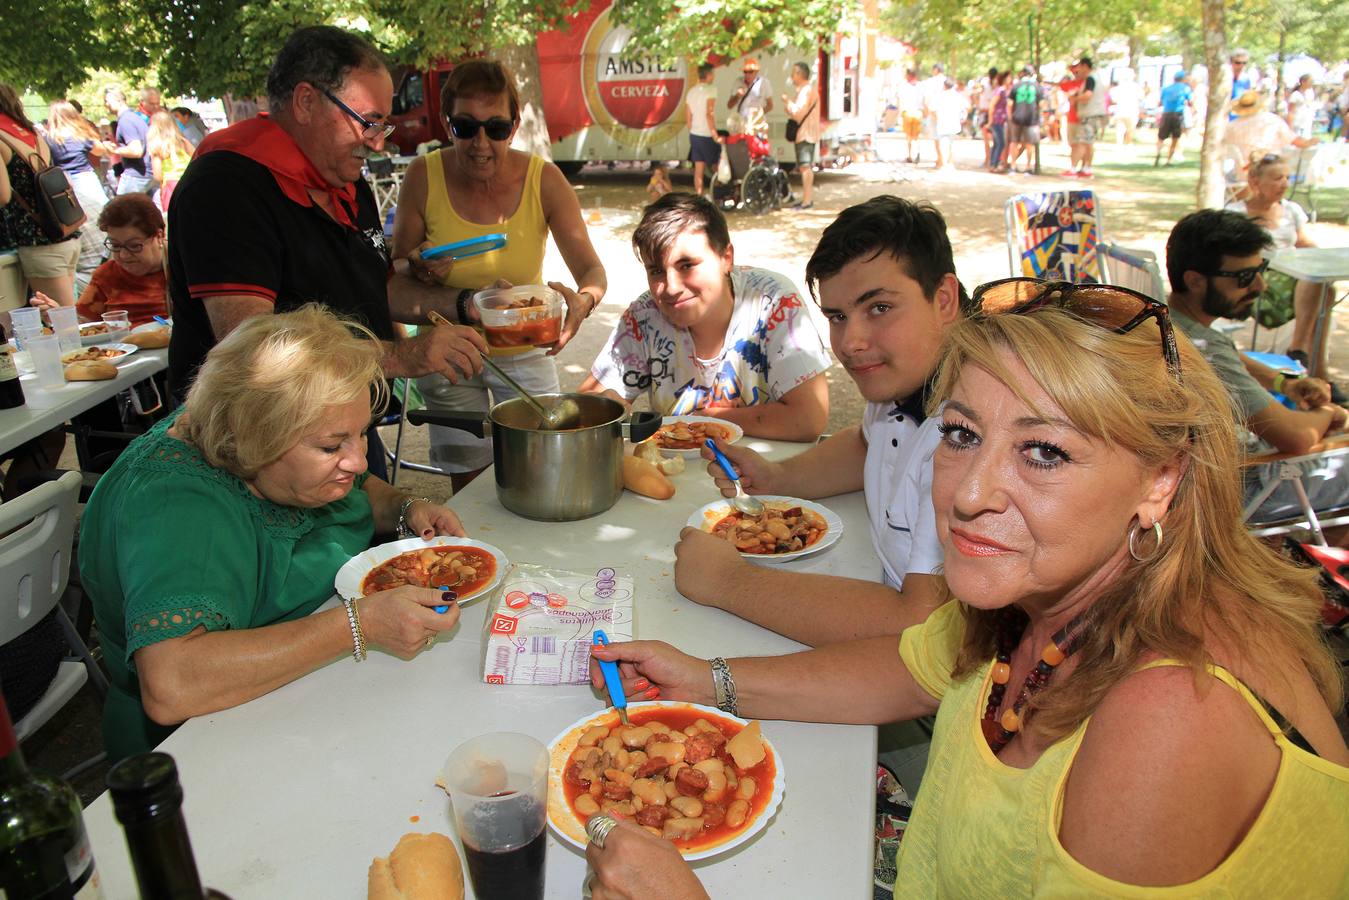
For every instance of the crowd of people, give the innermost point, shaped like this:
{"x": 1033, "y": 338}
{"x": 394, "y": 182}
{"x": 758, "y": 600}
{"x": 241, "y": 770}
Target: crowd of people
{"x": 1011, "y": 110}
{"x": 1136, "y": 698}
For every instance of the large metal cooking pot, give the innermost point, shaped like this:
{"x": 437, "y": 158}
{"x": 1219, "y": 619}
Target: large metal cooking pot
{"x": 555, "y": 476}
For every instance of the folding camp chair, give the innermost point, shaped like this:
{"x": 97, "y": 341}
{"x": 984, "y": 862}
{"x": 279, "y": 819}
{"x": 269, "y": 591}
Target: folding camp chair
{"x": 1291, "y": 472}
{"x": 1055, "y": 236}
{"x": 1136, "y": 269}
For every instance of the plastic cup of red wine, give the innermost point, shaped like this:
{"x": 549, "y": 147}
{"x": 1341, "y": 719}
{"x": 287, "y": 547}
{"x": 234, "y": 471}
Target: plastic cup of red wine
{"x": 498, "y": 787}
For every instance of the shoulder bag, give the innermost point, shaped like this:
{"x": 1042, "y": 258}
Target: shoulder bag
{"x": 794, "y": 127}
{"x": 58, "y": 213}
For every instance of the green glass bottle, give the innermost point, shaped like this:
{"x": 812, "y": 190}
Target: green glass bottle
{"x": 44, "y": 850}
{"x": 148, "y": 800}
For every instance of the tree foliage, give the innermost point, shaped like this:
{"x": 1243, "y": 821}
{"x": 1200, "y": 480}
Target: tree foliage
{"x": 720, "y": 29}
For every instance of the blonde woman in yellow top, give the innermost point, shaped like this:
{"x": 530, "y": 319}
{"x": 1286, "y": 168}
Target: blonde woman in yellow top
{"x": 475, "y": 187}
{"x": 1104, "y": 680}
{"x": 169, "y": 154}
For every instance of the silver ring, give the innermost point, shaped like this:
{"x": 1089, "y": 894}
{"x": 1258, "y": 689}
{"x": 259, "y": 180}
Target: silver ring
{"x": 598, "y": 828}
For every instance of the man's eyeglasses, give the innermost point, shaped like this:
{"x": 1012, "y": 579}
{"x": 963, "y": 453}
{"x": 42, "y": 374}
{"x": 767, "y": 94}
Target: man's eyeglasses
{"x": 1116, "y": 309}
{"x": 370, "y": 131}
{"x": 1244, "y": 277}
{"x": 465, "y": 128}
{"x": 132, "y": 247}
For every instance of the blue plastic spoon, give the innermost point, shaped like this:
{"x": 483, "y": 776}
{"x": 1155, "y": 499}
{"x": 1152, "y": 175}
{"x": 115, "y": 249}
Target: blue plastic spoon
{"x": 612, "y": 681}
{"x": 750, "y": 506}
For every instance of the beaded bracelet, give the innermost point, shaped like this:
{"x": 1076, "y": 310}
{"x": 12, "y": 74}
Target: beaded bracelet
{"x": 357, "y": 635}
{"x": 724, "y": 685}
{"x": 402, "y": 529}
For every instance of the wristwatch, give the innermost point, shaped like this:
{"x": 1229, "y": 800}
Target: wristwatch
{"x": 461, "y": 305}
{"x": 1282, "y": 378}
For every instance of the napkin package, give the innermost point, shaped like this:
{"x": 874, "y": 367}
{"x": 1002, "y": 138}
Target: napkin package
{"x": 541, "y": 624}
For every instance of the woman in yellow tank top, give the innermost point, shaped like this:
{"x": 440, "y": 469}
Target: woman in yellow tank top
{"x": 475, "y": 187}
{"x": 1101, "y": 683}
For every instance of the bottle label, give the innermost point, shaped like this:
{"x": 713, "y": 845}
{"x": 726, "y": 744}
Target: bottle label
{"x": 84, "y": 881}
{"x": 7, "y": 368}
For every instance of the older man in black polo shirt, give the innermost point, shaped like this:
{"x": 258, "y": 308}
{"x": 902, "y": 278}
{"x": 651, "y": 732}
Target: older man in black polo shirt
{"x": 273, "y": 213}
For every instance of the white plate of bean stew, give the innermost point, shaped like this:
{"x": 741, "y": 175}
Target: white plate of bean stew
{"x": 703, "y": 779}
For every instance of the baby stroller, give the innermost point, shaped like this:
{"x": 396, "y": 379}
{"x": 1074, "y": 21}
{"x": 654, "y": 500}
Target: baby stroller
{"x": 757, "y": 183}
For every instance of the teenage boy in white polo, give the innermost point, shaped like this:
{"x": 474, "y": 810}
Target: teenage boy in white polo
{"x": 885, "y": 279}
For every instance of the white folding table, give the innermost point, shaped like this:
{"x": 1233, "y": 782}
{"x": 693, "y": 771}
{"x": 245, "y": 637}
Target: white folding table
{"x": 292, "y": 794}
{"x": 1317, "y": 265}
{"x": 47, "y": 409}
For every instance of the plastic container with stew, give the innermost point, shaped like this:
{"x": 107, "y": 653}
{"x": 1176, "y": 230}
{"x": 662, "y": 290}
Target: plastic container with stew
{"x": 529, "y": 315}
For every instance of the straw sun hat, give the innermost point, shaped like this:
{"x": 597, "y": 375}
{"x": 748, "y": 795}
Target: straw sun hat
{"x": 1248, "y": 104}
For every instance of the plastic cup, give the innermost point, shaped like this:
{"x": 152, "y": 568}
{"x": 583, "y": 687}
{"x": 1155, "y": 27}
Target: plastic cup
{"x": 66, "y": 323}
{"x": 25, "y": 317}
{"x": 499, "y": 789}
{"x": 119, "y": 323}
{"x": 45, "y": 351}
{"x": 23, "y": 361}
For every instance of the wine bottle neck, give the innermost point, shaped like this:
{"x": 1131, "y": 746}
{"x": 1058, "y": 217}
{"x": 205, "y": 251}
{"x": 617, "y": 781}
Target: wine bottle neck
{"x": 161, "y": 855}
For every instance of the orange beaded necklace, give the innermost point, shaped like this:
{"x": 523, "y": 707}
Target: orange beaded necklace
{"x": 1011, "y": 625}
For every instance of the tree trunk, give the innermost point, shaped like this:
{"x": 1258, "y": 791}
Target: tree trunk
{"x": 533, "y": 134}
{"x": 1135, "y": 51}
{"x": 1210, "y": 193}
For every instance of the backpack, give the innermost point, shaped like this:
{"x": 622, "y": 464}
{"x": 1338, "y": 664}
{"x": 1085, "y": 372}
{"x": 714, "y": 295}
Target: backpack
{"x": 58, "y": 213}
{"x": 1024, "y": 100}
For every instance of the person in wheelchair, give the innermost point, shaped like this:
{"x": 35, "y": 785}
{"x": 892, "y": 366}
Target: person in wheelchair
{"x": 1213, "y": 258}
{"x": 711, "y": 338}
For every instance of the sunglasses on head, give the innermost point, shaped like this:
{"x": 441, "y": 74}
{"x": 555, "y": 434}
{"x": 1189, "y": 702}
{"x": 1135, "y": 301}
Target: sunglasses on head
{"x": 1116, "y": 309}
{"x": 465, "y": 128}
{"x": 1244, "y": 277}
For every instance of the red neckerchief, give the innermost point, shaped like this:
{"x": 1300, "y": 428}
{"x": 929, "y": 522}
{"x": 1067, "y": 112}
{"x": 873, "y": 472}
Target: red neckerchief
{"x": 13, "y": 128}
{"x": 267, "y": 143}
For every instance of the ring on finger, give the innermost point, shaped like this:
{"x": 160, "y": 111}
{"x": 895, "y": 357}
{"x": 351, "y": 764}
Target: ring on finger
{"x": 430, "y": 639}
{"x": 598, "y": 828}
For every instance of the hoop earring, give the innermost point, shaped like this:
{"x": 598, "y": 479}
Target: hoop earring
{"x": 1135, "y": 530}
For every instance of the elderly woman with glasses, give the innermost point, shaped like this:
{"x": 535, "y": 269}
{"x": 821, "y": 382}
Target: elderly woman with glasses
{"x": 210, "y": 543}
{"x": 476, "y": 187}
{"x": 133, "y": 278}
{"x": 1131, "y": 692}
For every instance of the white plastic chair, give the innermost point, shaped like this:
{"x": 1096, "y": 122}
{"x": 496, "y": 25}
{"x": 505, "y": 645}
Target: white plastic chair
{"x": 38, "y": 531}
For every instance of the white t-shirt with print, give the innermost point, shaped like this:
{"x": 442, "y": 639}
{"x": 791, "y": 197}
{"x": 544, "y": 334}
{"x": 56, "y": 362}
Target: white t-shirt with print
{"x": 897, "y": 484}
{"x": 771, "y": 347}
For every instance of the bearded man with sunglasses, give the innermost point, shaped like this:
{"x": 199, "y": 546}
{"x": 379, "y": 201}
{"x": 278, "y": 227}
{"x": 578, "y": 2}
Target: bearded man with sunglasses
{"x": 274, "y": 213}
{"x": 1214, "y": 262}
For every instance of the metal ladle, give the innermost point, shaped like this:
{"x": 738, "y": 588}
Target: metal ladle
{"x": 562, "y": 415}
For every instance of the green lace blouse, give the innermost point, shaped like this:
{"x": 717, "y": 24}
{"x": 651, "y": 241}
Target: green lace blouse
{"x": 168, "y": 543}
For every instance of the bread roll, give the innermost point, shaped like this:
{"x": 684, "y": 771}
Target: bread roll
{"x": 91, "y": 370}
{"x": 421, "y": 867}
{"x": 641, "y": 476}
{"x": 153, "y": 339}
